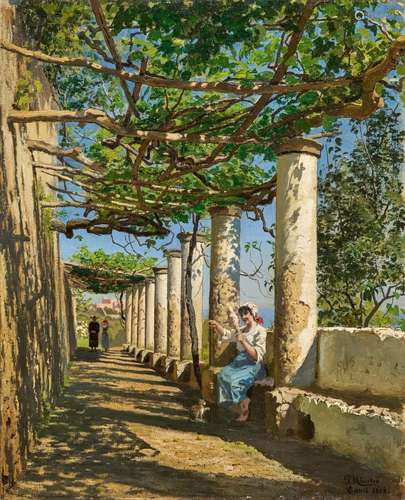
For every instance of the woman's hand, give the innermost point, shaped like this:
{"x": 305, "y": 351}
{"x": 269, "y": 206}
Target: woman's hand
{"x": 240, "y": 337}
{"x": 214, "y": 324}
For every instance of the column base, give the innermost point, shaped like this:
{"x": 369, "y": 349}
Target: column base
{"x": 209, "y": 383}
{"x": 154, "y": 359}
{"x": 169, "y": 370}
{"x": 125, "y": 347}
{"x": 185, "y": 371}
{"x": 172, "y": 369}
{"x": 143, "y": 355}
{"x": 137, "y": 354}
{"x": 187, "y": 376}
{"x": 160, "y": 365}
{"x": 146, "y": 356}
{"x": 182, "y": 371}
{"x": 163, "y": 366}
{"x": 131, "y": 349}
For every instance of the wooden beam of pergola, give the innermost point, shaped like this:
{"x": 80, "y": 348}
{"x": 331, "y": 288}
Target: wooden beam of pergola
{"x": 92, "y": 279}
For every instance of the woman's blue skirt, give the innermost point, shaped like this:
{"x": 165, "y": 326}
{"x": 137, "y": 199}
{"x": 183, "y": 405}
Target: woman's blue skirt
{"x": 236, "y": 378}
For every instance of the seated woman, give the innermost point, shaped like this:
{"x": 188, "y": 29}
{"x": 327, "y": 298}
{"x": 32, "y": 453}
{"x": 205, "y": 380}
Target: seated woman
{"x": 235, "y": 379}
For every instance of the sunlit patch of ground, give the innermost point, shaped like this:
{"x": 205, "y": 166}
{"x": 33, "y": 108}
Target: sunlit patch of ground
{"x": 121, "y": 431}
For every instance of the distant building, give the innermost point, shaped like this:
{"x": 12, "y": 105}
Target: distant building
{"x": 109, "y": 304}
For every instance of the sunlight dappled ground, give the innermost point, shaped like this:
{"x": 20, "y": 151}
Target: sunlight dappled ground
{"x": 121, "y": 431}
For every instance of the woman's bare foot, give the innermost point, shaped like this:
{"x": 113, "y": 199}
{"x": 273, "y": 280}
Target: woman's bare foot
{"x": 244, "y": 411}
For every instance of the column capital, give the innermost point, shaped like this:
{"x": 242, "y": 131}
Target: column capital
{"x": 230, "y": 211}
{"x": 172, "y": 253}
{"x": 149, "y": 279}
{"x": 299, "y": 145}
{"x": 159, "y": 270}
{"x": 186, "y": 237}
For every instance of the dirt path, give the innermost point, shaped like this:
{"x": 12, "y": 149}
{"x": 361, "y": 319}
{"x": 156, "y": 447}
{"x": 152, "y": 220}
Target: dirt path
{"x": 121, "y": 431}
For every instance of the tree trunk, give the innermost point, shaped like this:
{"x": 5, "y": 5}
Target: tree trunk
{"x": 123, "y": 315}
{"x": 189, "y": 303}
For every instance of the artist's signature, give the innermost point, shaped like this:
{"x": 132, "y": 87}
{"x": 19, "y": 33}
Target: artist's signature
{"x": 358, "y": 485}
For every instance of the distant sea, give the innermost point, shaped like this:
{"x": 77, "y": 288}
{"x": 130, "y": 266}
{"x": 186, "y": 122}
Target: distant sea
{"x": 266, "y": 313}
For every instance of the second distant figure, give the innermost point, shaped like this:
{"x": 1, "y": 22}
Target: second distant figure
{"x": 105, "y": 340}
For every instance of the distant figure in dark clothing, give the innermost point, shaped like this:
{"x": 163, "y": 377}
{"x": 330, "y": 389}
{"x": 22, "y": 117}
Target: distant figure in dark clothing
{"x": 94, "y": 328}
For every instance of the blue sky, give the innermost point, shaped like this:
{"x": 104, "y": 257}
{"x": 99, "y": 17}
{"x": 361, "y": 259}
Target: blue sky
{"x": 251, "y": 290}
{"x": 250, "y": 231}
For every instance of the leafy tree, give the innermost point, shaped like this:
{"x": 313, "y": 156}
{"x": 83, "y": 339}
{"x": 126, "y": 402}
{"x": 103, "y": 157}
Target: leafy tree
{"x": 192, "y": 98}
{"x": 99, "y": 272}
{"x": 361, "y": 225}
{"x": 81, "y": 301}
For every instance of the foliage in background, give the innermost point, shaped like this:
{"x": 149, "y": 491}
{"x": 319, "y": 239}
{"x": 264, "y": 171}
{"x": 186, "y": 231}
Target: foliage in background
{"x": 105, "y": 273}
{"x": 27, "y": 90}
{"x": 361, "y": 226}
{"x": 52, "y": 25}
{"x": 313, "y": 54}
{"x": 116, "y": 261}
{"x": 319, "y": 50}
{"x": 82, "y": 302}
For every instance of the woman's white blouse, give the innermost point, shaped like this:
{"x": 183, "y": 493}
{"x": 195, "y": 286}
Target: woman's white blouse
{"x": 255, "y": 336}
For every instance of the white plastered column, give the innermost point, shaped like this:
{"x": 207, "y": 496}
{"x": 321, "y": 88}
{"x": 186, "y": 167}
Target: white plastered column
{"x": 134, "y": 324}
{"x": 197, "y": 269}
{"x": 224, "y": 276}
{"x": 295, "y": 263}
{"x": 173, "y": 302}
{"x": 160, "y": 326}
{"x": 141, "y": 315}
{"x": 149, "y": 313}
{"x": 128, "y": 315}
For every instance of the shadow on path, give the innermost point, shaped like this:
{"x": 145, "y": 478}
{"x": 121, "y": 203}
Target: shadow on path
{"x": 127, "y": 436}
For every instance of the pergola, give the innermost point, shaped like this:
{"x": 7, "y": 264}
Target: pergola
{"x": 160, "y": 165}
{"x": 194, "y": 151}
{"x": 93, "y": 280}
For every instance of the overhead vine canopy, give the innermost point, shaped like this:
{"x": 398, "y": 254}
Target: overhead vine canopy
{"x": 98, "y": 272}
{"x": 99, "y": 281}
{"x": 179, "y": 105}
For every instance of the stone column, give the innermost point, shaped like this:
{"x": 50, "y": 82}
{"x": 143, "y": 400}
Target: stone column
{"x": 160, "y": 327}
{"x": 134, "y": 325}
{"x": 295, "y": 263}
{"x": 197, "y": 292}
{"x": 150, "y": 313}
{"x": 173, "y": 302}
{"x": 141, "y": 315}
{"x": 224, "y": 276}
{"x": 128, "y": 315}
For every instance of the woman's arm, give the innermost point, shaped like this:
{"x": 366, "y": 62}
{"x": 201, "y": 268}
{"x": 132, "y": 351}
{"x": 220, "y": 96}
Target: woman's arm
{"x": 247, "y": 346}
{"x": 226, "y": 335}
{"x": 257, "y": 348}
{"x": 216, "y": 326}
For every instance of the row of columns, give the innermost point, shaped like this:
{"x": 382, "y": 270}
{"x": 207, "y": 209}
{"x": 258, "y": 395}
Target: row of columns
{"x": 156, "y": 312}
{"x": 157, "y": 319}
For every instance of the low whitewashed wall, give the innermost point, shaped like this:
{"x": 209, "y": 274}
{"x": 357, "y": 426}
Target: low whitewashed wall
{"x": 362, "y": 360}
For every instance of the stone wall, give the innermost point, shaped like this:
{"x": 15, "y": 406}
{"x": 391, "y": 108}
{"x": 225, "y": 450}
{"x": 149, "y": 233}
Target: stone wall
{"x": 362, "y": 360}
{"x": 36, "y": 315}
